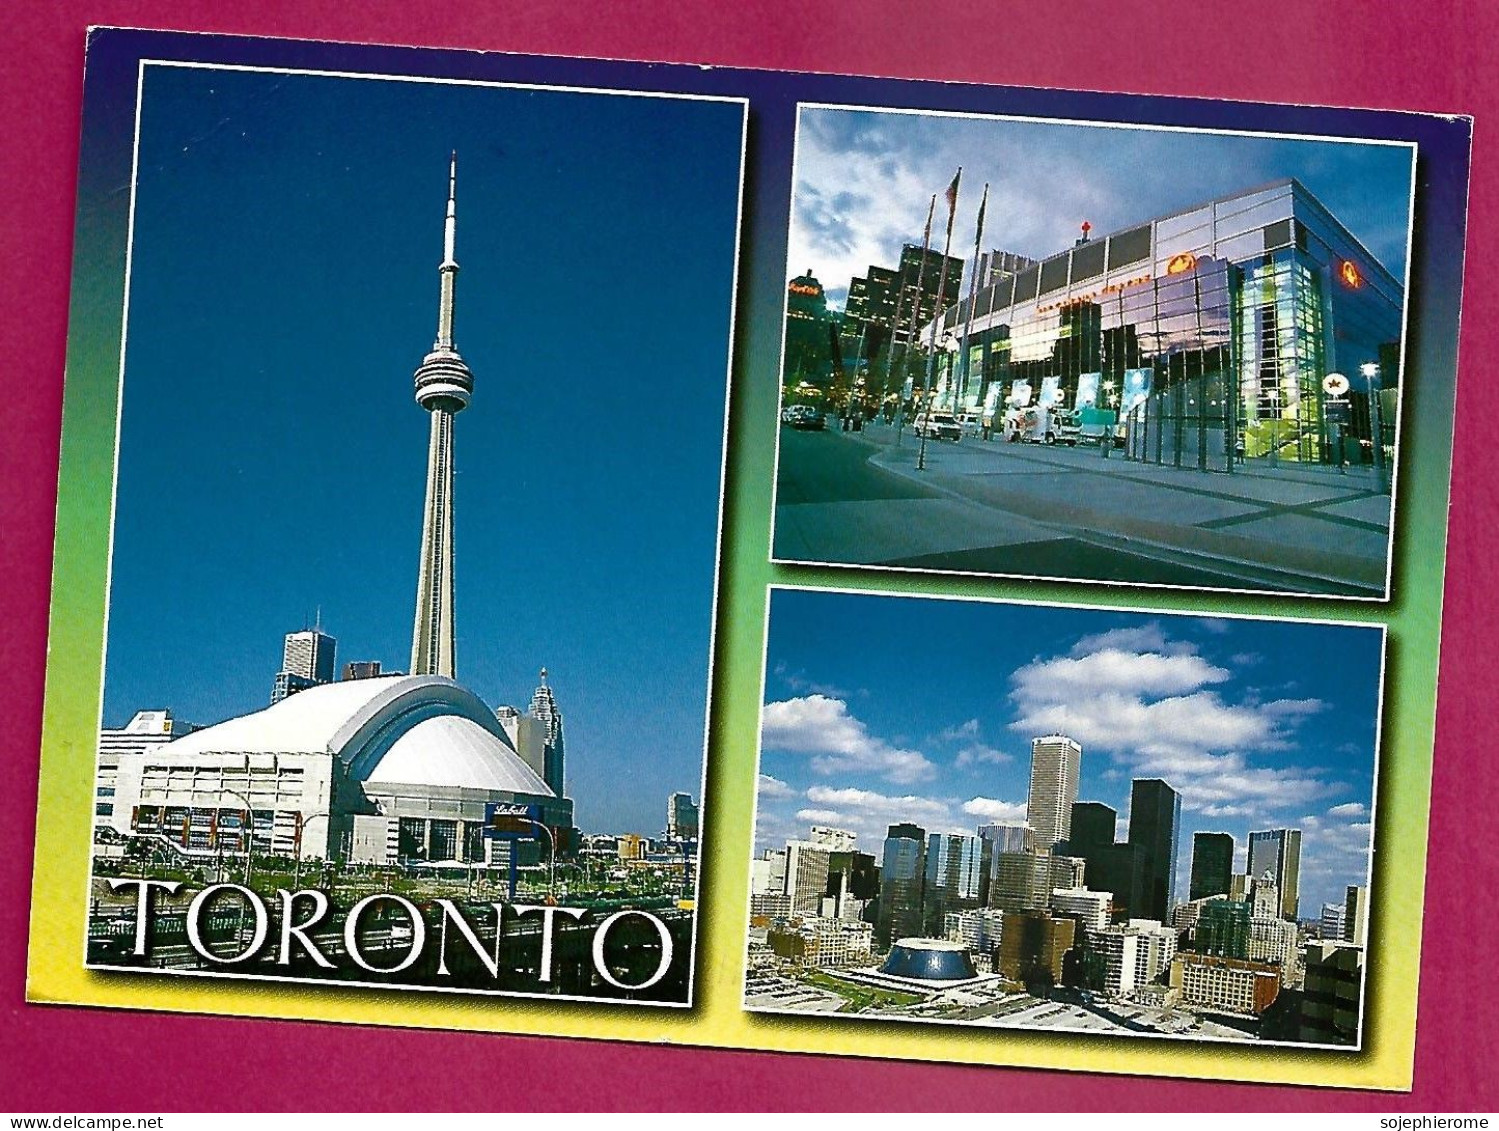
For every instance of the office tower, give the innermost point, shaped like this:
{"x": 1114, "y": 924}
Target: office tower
{"x": 1024, "y": 881}
{"x": 955, "y": 879}
{"x": 1154, "y": 825}
{"x": 1222, "y": 928}
{"x": 309, "y": 654}
{"x": 1264, "y": 897}
{"x": 1089, "y": 908}
{"x": 1278, "y": 852}
{"x": 902, "y": 870}
{"x": 1134, "y": 954}
{"x": 1356, "y": 916}
{"x": 806, "y": 876}
{"x": 443, "y": 387}
{"x": 853, "y": 884}
{"x": 1055, "y": 764}
{"x": 306, "y": 661}
{"x": 362, "y": 669}
{"x": 1212, "y": 864}
{"x": 1093, "y": 825}
{"x": 681, "y": 817}
{"x": 1007, "y": 838}
{"x": 834, "y": 840}
{"x": 1032, "y": 945}
{"x": 1331, "y": 925}
{"x": 1332, "y": 993}
{"x": 545, "y": 711}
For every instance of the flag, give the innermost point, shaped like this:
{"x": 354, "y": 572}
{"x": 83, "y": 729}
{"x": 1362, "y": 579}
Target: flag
{"x": 952, "y": 200}
{"x": 978, "y": 237}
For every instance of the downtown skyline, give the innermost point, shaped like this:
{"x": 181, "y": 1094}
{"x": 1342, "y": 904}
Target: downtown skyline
{"x": 290, "y": 227}
{"x": 924, "y": 711}
{"x": 864, "y": 179}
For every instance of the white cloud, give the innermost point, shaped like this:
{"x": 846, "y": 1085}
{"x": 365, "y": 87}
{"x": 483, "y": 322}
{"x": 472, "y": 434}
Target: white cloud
{"x": 774, "y": 789}
{"x": 977, "y": 753}
{"x": 838, "y": 742}
{"x": 870, "y": 814}
{"x": 992, "y": 810}
{"x": 1348, "y": 809}
{"x": 1115, "y": 669}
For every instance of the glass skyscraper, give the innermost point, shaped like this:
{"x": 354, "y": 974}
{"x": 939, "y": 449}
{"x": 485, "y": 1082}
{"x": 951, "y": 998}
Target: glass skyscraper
{"x": 1154, "y": 827}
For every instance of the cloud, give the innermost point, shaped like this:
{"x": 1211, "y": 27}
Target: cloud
{"x": 869, "y": 813}
{"x": 1115, "y": 669}
{"x": 864, "y": 180}
{"x": 977, "y": 753}
{"x": 1161, "y": 709}
{"x": 970, "y": 729}
{"x": 774, "y": 789}
{"x": 838, "y": 742}
{"x": 1348, "y": 809}
{"x": 1141, "y": 638}
{"x": 991, "y": 810}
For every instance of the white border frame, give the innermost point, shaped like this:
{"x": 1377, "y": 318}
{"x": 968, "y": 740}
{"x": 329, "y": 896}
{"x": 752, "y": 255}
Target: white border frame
{"x": 1089, "y": 1034}
{"x": 733, "y": 330}
{"x": 1383, "y": 598}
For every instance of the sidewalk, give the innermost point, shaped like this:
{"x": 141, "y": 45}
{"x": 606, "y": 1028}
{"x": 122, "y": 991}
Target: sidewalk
{"x": 1290, "y": 526}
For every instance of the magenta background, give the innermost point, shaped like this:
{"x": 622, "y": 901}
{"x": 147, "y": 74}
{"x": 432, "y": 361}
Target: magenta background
{"x": 1416, "y": 57}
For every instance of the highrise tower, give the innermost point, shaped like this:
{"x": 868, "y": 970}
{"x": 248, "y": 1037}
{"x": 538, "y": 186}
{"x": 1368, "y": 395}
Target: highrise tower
{"x": 443, "y": 387}
{"x": 1055, "y": 764}
{"x": 1154, "y": 829}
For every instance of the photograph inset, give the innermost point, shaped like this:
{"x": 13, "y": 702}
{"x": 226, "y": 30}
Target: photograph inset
{"x": 1093, "y": 352}
{"x": 298, "y": 778}
{"x": 1064, "y": 819}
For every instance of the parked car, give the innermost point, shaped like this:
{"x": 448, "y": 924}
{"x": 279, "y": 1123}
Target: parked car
{"x": 805, "y": 417}
{"x": 938, "y": 426}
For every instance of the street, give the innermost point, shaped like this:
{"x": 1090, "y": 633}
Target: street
{"x": 1060, "y": 512}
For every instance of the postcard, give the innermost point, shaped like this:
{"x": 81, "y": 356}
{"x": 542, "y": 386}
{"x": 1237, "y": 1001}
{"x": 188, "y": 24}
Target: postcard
{"x": 1137, "y": 307}
{"x": 1093, "y": 822}
{"x": 749, "y": 559}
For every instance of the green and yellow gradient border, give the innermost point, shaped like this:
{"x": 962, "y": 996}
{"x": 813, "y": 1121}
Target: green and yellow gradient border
{"x": 90, "y": 415}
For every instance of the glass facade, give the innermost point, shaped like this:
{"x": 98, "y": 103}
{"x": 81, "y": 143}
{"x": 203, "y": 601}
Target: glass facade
{"x": 1210, "y": 331}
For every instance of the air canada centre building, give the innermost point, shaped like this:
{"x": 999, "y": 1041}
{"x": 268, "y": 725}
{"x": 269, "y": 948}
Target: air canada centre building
{"x": 1211, "y": 330}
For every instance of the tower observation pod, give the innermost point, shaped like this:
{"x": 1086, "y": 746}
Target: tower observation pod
{"x": 443, "y": 387}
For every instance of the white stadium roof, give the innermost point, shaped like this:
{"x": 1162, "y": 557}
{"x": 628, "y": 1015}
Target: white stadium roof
{"x": 390, "y": 730}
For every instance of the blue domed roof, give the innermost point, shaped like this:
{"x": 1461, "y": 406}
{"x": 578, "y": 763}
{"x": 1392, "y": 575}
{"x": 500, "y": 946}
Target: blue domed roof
{"x": 934, "y": 960}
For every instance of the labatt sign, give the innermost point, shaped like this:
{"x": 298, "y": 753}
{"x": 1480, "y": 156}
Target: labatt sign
{"x": 302, "y": 911}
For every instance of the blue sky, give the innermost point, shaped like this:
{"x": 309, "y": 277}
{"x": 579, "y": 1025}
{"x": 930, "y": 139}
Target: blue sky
{"x": 884, "y": 709}
{"x": 864, "y": 180}
{"x": 284, "y": 287}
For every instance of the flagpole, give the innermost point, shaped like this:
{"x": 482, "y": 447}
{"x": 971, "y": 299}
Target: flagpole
{"x": 973, "y": 297}
{"x": 915, "y": 335}
{"x": 926, "y": 392}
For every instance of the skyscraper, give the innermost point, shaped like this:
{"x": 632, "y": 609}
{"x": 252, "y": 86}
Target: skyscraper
{"x": 956, "y": 877}
{"x": 902, "y": 869}
{"x": 1212, "y": 864}
{"x": 1093, "y": 826}
{"x": 545, "y": 711}
{"x": 309, "y": 654}
{"x": 1356, "y": 915}
{"x": 306, "y": 661}
{"x": 443, "y": 387}
{"x": 1154, "y": 826}
{"x": 1055, "y": 764}
{"x": 1278, "y": 852}
{"x": 1007, "y": 838}
{"x": 681, "y": 817}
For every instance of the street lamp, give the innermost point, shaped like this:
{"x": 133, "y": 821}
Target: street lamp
{"x": 249, "y": 833}
{"x": 297, "y": 880}
{"x": 946, "y": 346}
{"x": 1370, "y": 370}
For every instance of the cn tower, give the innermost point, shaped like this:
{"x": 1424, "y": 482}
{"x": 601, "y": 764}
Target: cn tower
{"x": 443, "y": 387}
